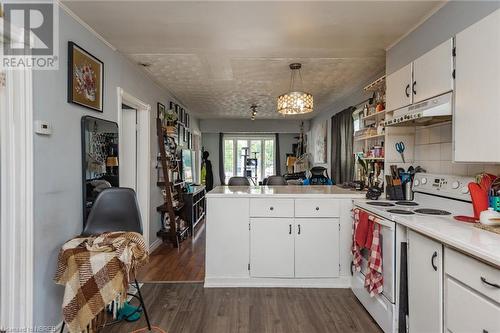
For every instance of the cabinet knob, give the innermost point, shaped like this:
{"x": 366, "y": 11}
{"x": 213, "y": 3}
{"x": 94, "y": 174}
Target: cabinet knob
{"x": 317, "y": 208}
{"x": 271, "y": 208}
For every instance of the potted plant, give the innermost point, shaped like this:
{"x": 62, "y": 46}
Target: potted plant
{"x": 170, "y": 121}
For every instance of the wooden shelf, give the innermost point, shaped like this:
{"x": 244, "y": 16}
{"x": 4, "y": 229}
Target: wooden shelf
{"x": 375, "y": 116}
{"x": 163, "y": 208}
{"x": 373, "y": 158}
{"x": 174, "y": 184}
{"x": 370, "y": 137}
{"x": 377, "y": 85}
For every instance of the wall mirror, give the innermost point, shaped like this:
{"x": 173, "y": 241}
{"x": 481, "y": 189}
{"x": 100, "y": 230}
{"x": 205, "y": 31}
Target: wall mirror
{"x": 100, "y": 165}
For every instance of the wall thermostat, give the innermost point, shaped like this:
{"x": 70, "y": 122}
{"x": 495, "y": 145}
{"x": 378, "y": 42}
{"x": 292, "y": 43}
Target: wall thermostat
{"x": 42, "y": 127}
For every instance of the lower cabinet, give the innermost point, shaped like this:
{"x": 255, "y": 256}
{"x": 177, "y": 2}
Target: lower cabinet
{"x": 300, "y": 248}
{"x": 425, "y": 284}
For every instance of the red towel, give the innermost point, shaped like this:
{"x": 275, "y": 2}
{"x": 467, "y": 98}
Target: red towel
{"x": 362, "y": 229}
{"x": 374, "y": 280}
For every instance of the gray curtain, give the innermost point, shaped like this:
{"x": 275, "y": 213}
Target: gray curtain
{"x": 222, "y": 174}
{"x": 342, "y": 162}
{"x": 277, "y": 160}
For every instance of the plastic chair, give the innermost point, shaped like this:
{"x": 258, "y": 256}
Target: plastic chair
{"x": 238, "y": 181}
{"x": 276, "y": 180}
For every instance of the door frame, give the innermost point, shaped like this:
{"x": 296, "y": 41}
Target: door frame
{"x": 143, "y": 152}
{"x": 16, "y": 217}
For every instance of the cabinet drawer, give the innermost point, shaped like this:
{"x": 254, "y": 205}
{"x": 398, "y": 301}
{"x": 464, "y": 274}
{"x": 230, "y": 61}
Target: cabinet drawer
{"x": 317, "y": 208}
{"x": 473, "y": 273}
{"x": 271, "y": 207}
{"x": 467, "y": 311}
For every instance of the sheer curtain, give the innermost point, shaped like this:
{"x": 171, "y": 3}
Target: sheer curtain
{"x": 342, "y": 161}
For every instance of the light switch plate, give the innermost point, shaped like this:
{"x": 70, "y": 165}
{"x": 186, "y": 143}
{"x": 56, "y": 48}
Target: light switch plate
{"x": 42, "y": 127}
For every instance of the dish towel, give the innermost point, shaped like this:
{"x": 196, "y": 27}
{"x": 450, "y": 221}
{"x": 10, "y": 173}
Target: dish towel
{"x": 356, "y": 249}
{"x": 95, "y": 272}
{"x": 374, "y": 280}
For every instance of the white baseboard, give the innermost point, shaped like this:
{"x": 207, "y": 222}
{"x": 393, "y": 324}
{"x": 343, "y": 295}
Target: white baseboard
{"x": 231, "y": 282}
{"x": 155, "y": 245}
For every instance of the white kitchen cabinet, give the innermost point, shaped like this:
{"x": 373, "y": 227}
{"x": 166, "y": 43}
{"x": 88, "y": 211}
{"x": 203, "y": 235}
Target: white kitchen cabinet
{"x": 398, "y": 88}
{"x": 432, "y": 72}
{"x": 316, "y": 248}
{"x": 477, "y": 87}
{"x": 271, "y": 247}
{"x": 425, "y": 284}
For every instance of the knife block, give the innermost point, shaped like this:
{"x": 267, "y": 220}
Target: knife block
{"x": 394, "y": 192}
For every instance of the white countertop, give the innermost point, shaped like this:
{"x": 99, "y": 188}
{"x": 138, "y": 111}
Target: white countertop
{"x": 482, "y": 244}
{"x": 289, "y": 191}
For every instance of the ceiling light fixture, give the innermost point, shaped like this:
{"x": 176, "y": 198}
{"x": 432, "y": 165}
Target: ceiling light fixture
{"x": 295, "y": 102}
{"x": 253, "y": 107}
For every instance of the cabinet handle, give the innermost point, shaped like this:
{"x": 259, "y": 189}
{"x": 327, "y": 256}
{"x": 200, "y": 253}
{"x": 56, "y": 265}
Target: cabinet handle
{"x": 413, "y": 88}
{"x": 317, "y": 208}
{"x": 489, "y": 283}
{"x": 434, "y": 255}
{"x": 271, "y": 208}
{"x": 406, "y": 90}
{"x": 299, "y": 229}
{"x": 290, "y": 229}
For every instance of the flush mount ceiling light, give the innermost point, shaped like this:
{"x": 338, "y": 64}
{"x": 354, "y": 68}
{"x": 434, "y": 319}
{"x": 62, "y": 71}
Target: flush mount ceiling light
{"x": 295, "y": 102}
{"x": 254, "y": 111}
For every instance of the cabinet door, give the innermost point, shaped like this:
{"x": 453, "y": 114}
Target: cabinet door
{"x": 432, "y": 72}
{"x": 398, "y": 91}
{"x": 477, "y": 87}
{"x": 271, "y": 247}
{"x": 317, "y": 248}
{"x": 425, "y": 284}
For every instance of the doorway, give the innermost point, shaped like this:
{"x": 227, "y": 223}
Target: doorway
{"x": 134, "y": 151}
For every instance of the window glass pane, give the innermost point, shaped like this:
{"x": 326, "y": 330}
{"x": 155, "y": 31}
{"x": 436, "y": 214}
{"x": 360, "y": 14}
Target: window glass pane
{"x": 228, "y": 158}
{"x": 256, "y": 153}
{"x": 239, "y": 158}
{"x": 269, "y": 158}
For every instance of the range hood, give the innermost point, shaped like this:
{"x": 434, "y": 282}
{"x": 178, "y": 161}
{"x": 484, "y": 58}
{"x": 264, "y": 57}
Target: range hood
{"x": 432, "y": 111}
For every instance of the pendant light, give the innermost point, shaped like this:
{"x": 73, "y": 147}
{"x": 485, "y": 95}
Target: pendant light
{"x": 295, "y": 102}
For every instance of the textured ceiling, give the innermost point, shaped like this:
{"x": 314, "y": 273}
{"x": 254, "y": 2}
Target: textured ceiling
{"x": 218, "y": 58}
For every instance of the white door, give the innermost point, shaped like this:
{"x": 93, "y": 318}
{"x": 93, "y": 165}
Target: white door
{"x": 317, "y": 248}
{"x": 128, "y": 149}
{"x": 432, "y": 72}
{"x": 398, "y": 88}
{"x": 477, "y": 87}
{"x": 425, "y": 284}
{"x": 271, "y": 247}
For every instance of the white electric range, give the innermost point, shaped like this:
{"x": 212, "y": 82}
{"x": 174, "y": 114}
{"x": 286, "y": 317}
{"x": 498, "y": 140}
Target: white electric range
{"x": 437, "y": 199}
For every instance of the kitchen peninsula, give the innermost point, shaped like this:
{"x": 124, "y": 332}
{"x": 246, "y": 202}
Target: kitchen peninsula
{"x": 279, "y": 236}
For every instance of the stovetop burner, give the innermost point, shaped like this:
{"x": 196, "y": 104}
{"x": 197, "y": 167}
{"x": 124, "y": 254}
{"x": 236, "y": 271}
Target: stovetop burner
{"x": 400, "y": 211}
{"x": 380, "y": 203}
{"x": 429, "y": 211}
{"x": 406, "y": 203}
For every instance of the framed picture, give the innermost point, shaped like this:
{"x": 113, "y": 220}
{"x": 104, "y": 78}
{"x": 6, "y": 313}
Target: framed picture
{"x": 160, "y": 110}
{"x": 185, "y": 136}
{"x": 187, "y": 120}
{"x": 181, "y": 115}
{"x": 85, "y": 78}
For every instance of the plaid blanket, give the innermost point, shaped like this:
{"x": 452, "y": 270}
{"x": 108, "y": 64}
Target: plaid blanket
{"x": 95, "y": 271}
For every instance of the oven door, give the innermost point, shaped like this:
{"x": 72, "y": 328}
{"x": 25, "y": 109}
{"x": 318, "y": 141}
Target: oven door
{"x": 388, "y": 245}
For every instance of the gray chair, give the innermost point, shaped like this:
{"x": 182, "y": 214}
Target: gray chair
{"x": 116, "y": 209}
{"x": 238, "y": 181}
{"x": 276, "y": 180}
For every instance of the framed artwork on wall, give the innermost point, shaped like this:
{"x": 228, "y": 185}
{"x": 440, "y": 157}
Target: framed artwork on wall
{"x": 160, "y": 110}
{"x": 187, "y": 120}
{"x": 171, "y": 106}
{"x": 182, "y": 116}
{"x": 177, "y": 112}
{"x": 85, "y": 78}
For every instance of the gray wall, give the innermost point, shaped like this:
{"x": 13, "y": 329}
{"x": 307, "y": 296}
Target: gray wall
{"x": 249, "y": 126}
{"x": 57, "y": 159}
{"x": 210, "y": 141}
{"x": 453, "y": 17}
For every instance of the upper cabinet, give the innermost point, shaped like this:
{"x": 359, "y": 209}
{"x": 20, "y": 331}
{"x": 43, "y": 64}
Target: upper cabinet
{"x": 398, "y": 86}
{"x": 432, "y": 72}
{"x": 428, "y": 76}
{"x": 477, "y": 89}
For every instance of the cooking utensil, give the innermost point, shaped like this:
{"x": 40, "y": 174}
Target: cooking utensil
{"x": 467, "y": 219}
{"x": 479, "y": 199}
{"x": 400, "y": 148}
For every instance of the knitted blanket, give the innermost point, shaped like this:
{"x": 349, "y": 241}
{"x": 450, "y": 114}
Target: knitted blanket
{"x": 95, "y": 271}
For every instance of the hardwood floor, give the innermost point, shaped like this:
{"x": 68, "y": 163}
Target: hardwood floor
{"x": 186, "y": 263}
{"x": 188, "y": 307}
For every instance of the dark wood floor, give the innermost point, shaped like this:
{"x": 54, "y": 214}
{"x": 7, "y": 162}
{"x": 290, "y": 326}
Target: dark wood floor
{"x": 186, "y": 263}
{"x": 188, "y": 307}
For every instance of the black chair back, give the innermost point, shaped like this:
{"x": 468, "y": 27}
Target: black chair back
{"x": 115, "y": 209}
{"x": 238, "y": 181}
{"x": 276, "y": 180}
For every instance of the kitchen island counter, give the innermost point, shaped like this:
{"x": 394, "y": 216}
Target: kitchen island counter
{"x": 290, "y": 191}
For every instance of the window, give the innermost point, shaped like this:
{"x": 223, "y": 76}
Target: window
{"x": 259, "y": 151}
